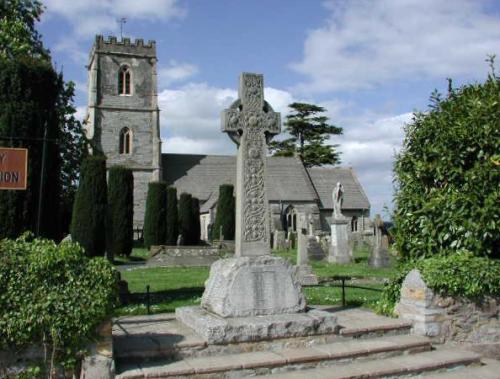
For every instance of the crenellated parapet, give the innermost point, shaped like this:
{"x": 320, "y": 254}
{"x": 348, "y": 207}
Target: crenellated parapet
{"x": 125, "y": 46}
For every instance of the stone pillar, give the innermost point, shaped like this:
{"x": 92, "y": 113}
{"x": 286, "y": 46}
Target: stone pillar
{"x": 340, "y": 252}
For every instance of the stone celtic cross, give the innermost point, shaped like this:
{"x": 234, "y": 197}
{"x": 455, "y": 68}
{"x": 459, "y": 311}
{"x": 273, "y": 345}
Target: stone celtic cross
{"x": 251, "y": 123}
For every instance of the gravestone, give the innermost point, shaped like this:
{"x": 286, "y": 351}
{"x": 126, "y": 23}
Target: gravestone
{"x": 304, "y": 270}
{"x": 380, "y": 254}
{"x": 254, "y": 295}
{"x": 279, "y": 240}
{"x": 340, "y": 251}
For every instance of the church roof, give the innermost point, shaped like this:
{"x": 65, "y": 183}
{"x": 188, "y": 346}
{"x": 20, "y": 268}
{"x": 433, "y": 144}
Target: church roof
{"x": 326, "y": 178}
{"x": 287, "y": 179}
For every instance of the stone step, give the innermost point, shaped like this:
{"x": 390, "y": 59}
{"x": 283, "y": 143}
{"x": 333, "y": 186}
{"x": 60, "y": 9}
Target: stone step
{"x": 401, "y": 366}
{"x": 489, "y": 370}
{"x": 140, "y": 338}
{"x": 261, "y": 362}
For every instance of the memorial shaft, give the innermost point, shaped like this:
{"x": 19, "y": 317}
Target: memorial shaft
{"x": 250, "y": 121}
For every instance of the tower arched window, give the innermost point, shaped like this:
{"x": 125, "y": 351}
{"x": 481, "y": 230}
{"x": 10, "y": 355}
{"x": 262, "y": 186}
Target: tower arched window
{"x": 125, "y": 141}
{"x": 124, "y": 81}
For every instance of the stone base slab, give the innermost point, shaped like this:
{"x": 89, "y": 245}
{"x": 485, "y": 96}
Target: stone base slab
{"x": 218, "y": 330}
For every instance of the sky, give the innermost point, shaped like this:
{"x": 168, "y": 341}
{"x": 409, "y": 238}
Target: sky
{"x": 370, "y": 64}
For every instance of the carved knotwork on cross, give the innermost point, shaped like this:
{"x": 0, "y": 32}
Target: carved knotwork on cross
{"x": 251, "y": 122}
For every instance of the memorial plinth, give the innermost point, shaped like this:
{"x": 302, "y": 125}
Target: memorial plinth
{"x": 339, "y": 250}
{"x": 254, "y": 295}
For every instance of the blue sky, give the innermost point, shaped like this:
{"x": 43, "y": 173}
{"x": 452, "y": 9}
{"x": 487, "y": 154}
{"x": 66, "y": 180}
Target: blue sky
{"x": 369, "y": 63}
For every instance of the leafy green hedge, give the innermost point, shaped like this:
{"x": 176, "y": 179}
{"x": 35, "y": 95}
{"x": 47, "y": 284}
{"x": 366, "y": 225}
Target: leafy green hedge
{"x": 447, "y": 175}
{"x": 461, "y": 275}
{"x": 172, "y": 217}
{"x": 52, "y": 295}
{"x": 225, "y": 214}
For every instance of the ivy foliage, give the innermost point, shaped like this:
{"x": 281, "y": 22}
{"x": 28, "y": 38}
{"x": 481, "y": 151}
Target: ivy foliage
{"x": 52, "y": 295}
{"x": 29, "y": 91}
{"x": 447, "y": 175}
{"x": 461, "y": 275}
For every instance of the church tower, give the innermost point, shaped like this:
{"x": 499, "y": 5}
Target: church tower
{"x": 123, "y": 115}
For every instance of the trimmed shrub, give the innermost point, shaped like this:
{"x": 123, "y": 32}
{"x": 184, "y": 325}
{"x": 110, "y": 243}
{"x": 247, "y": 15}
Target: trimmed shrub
{"x": 88, "y": 223}
{"x": 172, "y": 217}
{"x": 29, "y": 89}
{"x": 196, "y": 231}
{"x": 225, "y": 214}
{"x": 53, "y": 295}
{"x": 447, "y": 175}
{"x": 120, "y": 232}
{"x": 461, "y": 275}
{"x": 155, "y": 217}
{"x": 186, "y": 218}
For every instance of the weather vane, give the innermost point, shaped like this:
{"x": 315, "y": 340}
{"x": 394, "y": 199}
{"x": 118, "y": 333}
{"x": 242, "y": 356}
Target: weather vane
{"x": 122, "y": 21}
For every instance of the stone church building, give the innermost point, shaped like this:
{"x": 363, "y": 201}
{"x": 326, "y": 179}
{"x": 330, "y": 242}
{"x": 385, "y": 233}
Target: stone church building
{"x": 123, "y": 123}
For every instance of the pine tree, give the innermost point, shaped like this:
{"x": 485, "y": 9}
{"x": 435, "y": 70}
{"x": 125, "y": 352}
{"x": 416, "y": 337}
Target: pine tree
{"x": 89, "y": 211}
{"x": 186, "y": 218}
{"x": 196, "y": 230}
{"x": 172, "y": 217}
{"x": 309, "y": 131}
{"x": 225, "y": 214}
{"x": 120, "y": 231}
{"x": 155, "y": 218}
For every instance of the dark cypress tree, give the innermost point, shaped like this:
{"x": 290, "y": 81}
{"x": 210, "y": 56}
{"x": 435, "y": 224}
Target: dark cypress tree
{"x": 88, "y": 221}
{"x": 195, "y": 214}
{"x": 120, "y": 231}
{"x": 155, "y": 217}
{"x": 172, "y": 217}
{"x": 186, "y": 218}
{"x": 225, "y": 214}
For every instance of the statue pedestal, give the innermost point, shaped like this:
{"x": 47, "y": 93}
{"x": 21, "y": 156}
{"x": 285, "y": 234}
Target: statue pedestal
{"x": 339, "y": 249}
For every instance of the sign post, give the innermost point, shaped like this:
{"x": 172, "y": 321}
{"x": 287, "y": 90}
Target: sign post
{"x": 13, "y": 168}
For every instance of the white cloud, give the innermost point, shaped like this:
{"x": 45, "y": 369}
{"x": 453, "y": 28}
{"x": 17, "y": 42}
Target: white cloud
{"x": 81, "y": 112}
{"x": 176, "y": 72}
{"x": 89, "y": 17}
{"x": 369, "y": 145}
{"x": 367, "y": 43}
{"x": 190, "y": 117}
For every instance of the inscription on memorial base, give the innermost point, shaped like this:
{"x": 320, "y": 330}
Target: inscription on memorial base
{"x": 252, "y": 286}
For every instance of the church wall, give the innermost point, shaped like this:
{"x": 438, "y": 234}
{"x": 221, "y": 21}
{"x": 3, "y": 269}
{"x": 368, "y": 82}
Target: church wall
{"x": 141, "y": 180}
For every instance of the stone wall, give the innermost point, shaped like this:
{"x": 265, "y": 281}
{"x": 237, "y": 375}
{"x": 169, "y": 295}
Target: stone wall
{"x": 451, "y": 320}
{"x": 185, "y": 255}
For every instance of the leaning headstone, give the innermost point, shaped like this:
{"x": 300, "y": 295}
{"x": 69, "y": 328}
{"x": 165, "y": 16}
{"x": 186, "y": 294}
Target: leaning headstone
{"x": 279, "y": 240}
{"x": 340, "y": 252}
{"x": 253, "y": 283}
{"x": 304, "y": 270}
{"x": 380, "y": 255}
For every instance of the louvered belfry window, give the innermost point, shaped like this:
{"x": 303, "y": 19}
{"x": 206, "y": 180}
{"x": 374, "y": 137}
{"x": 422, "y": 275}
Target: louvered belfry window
{"x": 124, "y": 77}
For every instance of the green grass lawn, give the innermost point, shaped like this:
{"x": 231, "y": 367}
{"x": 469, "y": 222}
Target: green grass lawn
{"x": 173, "y": 287}
{"x": 139, "y": 254}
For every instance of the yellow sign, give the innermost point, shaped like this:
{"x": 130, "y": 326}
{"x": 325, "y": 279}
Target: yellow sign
{"x": 13, "y": 168}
